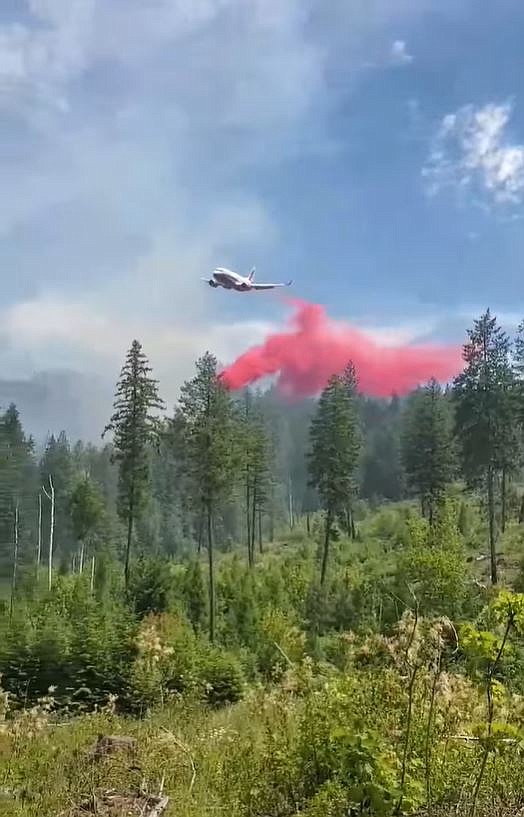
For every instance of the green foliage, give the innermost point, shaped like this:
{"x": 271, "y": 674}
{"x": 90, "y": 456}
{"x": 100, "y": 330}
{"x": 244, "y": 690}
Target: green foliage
{"x": 86, "y": 507}
{"x": 150, "y": 586}
{"x": 278, "y": 642}
{"x": 194, "y": 593}
{"x": 335, "y": 446}
{"x": 433, "y": 564}
{"x": 255, "y": 443}
{"x": 349, "y": 693}
{"x": 222, "y": 678}
{"x": 135, "y": 428}
{"x": 212, "y": 450}
{"x": 427, "y": 445}
{"x": 484, "y": 398}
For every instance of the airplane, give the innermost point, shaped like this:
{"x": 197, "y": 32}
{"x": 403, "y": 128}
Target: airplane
{"x": 222, "y": 277}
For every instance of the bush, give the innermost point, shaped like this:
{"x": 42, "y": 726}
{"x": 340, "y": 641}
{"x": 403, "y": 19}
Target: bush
{"x": 222, "y": 680}
{"x": 434, "y": 564}
{"x": 151, "y": 586}
{"x": 278, "y": 636}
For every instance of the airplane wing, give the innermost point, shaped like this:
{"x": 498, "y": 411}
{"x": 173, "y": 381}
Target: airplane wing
{"x": 270, "y": 286}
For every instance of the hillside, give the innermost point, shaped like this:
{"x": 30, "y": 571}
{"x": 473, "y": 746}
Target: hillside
{"x": 261, "y": 608}
{"x": 316, "y": 702}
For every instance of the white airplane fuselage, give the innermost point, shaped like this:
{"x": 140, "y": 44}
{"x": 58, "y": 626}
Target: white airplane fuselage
{"x": 227, "y": 279}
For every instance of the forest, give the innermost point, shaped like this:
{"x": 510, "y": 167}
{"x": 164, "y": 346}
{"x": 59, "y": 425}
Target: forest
{"x": 266, "y": 607}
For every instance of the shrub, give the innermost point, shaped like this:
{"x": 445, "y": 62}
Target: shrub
{"x": 222, "y": 680}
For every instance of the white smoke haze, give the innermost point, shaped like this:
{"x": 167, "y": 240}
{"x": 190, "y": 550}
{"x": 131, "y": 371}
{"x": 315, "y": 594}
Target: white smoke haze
{"x": 127, "y": 168}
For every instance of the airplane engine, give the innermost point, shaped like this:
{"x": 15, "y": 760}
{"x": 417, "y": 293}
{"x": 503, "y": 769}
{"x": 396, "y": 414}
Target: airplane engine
{"x": 213, "y": 284}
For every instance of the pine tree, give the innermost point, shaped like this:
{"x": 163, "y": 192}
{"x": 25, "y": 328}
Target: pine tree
{"x": 195, "y": 595}
{"x": 428, "y": 452}
{"x": 17, "y": 492}
{"x": 87, "y": 509}
{"x": 58, "y": 466}
{"x": 213, "y": 453}
{"x": 135, "y": 429}
{"x": 382, "y": 473}
{"x": 256, "y": 463}
{"x": 334, "y": 452}
{"x": 484, "y": 413}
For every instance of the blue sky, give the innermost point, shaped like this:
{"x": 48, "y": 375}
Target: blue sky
{"x": 371, "y": 150}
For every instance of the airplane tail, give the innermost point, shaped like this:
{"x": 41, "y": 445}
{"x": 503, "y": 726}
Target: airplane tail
{"x": 251, "y": 275}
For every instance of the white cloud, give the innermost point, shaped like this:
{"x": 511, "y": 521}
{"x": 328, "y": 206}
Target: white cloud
{"x": 399, "y": 53}
{"x": 38, "y": 60}
{"x": 55, "y": 332}
{"x": 144, "y": 138}
{"x": 472, "y": 151}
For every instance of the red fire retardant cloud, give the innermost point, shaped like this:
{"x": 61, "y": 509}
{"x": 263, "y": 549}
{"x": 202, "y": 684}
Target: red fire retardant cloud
{"x": 316, "y": 347}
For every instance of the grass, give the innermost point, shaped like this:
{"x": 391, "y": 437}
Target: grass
{"x": 51, "y": 770}
{"x": 253, "y": 759}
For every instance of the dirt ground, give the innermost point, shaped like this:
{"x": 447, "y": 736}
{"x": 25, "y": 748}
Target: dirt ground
{"x": 113, "y": 804}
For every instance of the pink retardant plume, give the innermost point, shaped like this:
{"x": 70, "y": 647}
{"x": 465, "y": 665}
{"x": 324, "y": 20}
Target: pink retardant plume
{"x": 316, "y": 347}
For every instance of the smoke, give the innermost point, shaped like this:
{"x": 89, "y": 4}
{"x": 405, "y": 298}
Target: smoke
{"x": 316, "y": 347}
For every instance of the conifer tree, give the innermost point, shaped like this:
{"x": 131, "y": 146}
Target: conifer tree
{"x": 213, "y": 453}
{"x": 428, "y": 452}
{"x": 17, "y": 483}
{"x": 256, "y": 463}
{"x": 334, "y": 451}
{"x": 135, "y": 428}
{"x": 195, "y": 595}
{"x": 57, "y": 466}
{"x": 484, "y": 413}
{"x": 86, "y": 508}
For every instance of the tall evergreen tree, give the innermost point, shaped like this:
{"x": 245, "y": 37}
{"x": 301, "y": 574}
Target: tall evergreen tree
{"x": 135, "y": 428}
{"x": 484, "y": 414}
{"x": 382, "y": 473}
{"x": 87, "y": 509}
{"x": 334, "y": 452}
{"x": 17, "y": 493}
{"x": 213, "y": 453}
{"x": 257, "y": 476}
{"x": 58, "y": 464}
{"x": 428, "y": 452}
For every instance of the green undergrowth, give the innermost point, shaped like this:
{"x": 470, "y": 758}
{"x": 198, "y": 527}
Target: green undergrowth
{"x": 407, "y": 723}
{"x": 394, "y": 688}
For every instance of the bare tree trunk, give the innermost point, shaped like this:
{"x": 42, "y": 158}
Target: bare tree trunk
{"x": 92, "y": 583}
{"x": 51, "y": 497}
{"x": 15, "y": 563}
{"x": 82, "y": 552}
{"x": 39, "y": 541}
{"x": 431, "y": 511}
{"x": 272, "y": 513}
{"x": 200, "y": 529}
{"x": 260, "y": 542}
{"x": 353, "y": 527}
{"x": 248, "y": 523}
{"x": 492, "y": 537}
{"x": 503, "y": 495}
{"x": 253, "y": 524}
{"x": 326, "y": 547}
{"x": 308, "y": 524}
{"x": 521, "y": 512}
{"x": 211, "y": 574}
{"x": 290, "y": 497}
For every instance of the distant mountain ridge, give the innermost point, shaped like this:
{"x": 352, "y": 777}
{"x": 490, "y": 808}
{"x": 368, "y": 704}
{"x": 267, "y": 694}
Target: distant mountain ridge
{"x": 60, "y": 400}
